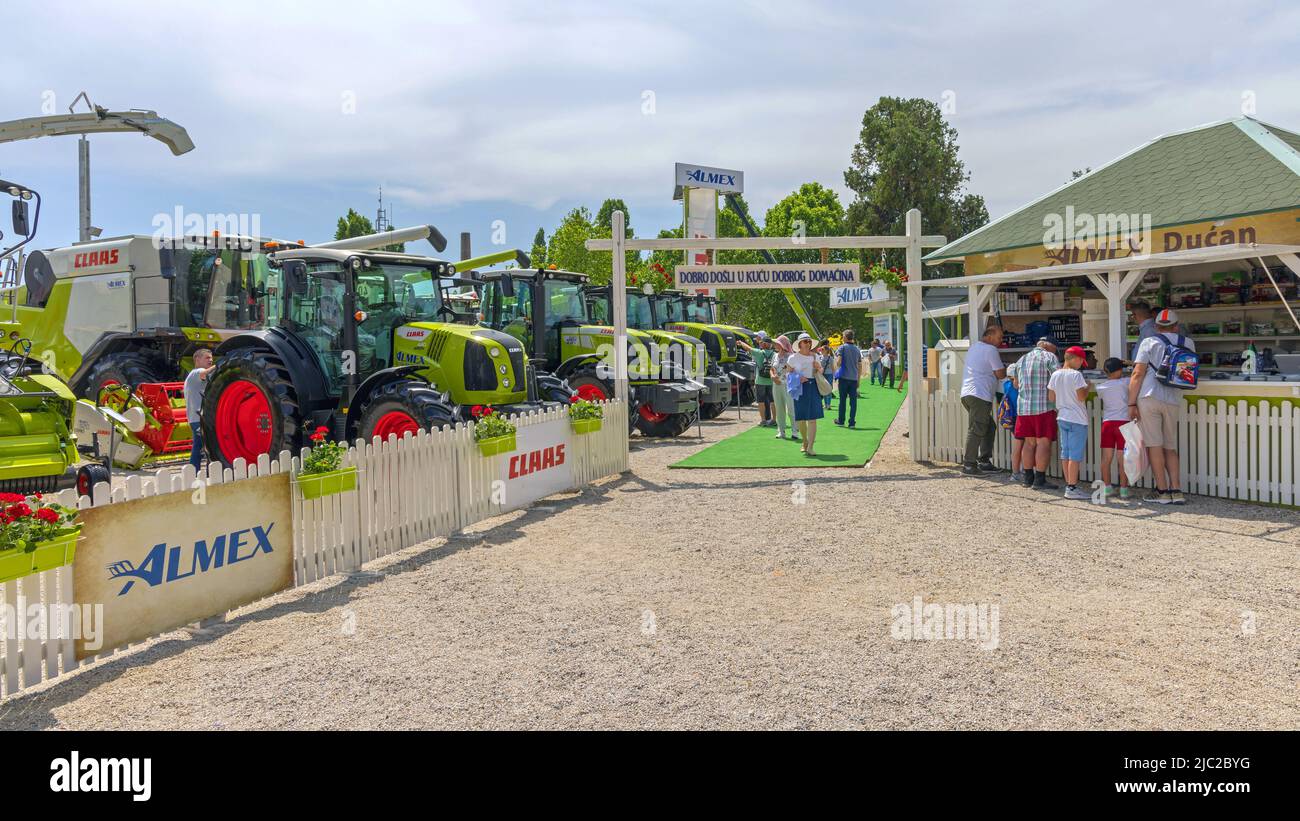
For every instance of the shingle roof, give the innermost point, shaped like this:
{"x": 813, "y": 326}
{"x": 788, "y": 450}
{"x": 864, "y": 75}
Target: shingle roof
{"x": 1230, "y": 168}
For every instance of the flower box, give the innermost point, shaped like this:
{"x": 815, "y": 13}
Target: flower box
{"x": 497, "y": 444}
{"x": 16, "y": 562}
{"x": 316, "y": 485}
{"x": 586, "y": 425}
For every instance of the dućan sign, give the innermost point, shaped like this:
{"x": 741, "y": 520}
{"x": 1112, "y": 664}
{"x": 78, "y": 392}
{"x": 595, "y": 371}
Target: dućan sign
{"x": 1280, "y": 227}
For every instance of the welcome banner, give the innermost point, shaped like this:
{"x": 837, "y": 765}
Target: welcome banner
{"x": 766, "y": 276}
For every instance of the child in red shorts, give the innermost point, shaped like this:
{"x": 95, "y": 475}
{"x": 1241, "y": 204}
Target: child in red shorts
{"x": 1114, "y": 413}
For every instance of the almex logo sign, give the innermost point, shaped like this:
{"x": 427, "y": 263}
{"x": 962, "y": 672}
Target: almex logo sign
{"x": 166, "y": 563}
{"x": 725, "y": 180}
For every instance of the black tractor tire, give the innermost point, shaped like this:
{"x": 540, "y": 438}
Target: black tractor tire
{"x": 400, "y": 406}
{"x": 263, "y": 417}
{"x": 91, "y": 474}
{"x": 712, "y": 410}
{"x": 674, "y": 424}
{"x": 126, "y": 368}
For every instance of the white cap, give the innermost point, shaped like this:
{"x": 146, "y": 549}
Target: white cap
{"x": 1167, "y": 317}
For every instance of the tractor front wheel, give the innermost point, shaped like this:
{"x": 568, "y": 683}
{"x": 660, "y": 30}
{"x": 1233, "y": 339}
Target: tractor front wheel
{"x": 108, "y": 378}
{"x": 662, "y": 424}
{"x": 399, "y": 408}
{"x": 712, "y": 410}
{"x": 250, "y": 407}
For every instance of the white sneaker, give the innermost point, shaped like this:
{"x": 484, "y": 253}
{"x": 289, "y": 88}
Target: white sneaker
{"x": 1076, "y": 493}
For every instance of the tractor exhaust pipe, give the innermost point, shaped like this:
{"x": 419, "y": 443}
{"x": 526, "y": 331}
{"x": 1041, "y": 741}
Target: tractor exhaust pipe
{"x": 370, "y": 242}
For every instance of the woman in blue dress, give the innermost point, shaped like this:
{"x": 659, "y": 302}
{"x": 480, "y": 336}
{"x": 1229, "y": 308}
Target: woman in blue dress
{"x": 802, "y": 368}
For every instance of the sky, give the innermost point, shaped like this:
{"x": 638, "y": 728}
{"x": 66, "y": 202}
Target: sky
{"x": 501, "y": 117}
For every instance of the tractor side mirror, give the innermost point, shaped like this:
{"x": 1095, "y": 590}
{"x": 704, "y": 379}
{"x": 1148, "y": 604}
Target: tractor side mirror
{"x": 295, "y": 276}
{"x": 507, "y": 286}
{"x": 167, "y": 263}
{"x": 22, "y": 226}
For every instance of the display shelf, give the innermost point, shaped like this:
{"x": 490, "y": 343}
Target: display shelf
{"x": 1199, "y": 338}
{"x": 1249, "y": 306}
{"x": 1062, "y": 312}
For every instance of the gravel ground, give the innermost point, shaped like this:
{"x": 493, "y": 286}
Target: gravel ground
{"x": 710, "y": 599}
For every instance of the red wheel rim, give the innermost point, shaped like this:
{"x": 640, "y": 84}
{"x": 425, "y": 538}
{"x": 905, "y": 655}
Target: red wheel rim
{"x": 243, "y": 421}
{"x": 396, "y": 422}
{"x": 651, "y": 416}
{"x": 592, "y": 393}
{"x": 83, "y": 484}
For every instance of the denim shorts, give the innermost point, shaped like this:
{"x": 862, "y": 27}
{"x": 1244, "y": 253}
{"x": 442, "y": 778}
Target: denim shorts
{"x": 1074, "y": 439}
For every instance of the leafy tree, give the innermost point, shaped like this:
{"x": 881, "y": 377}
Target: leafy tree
{"x": 605, "y": 216}
{"x": 906, "y": 157}
{"x": 358, "y": 225}
{"x": 538, "y": 253}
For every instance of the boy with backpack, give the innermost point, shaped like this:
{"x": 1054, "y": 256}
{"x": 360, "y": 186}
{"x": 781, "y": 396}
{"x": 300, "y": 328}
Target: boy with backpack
{"x": 1114, "y": 415}
{"x": 1165, "y": 365}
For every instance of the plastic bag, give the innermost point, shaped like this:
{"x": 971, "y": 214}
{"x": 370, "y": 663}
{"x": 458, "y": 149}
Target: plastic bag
{"x": 1135, "y": 454}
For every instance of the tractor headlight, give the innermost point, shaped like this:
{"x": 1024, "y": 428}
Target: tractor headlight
{"x": 502, "y": 368}
{"x": 494, "y": 351}
{"x": 505, "y": 383}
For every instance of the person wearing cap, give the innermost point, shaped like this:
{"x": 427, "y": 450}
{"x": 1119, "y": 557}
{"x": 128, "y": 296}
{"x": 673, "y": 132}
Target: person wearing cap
{"x": 1035, "y": 418}
{"x": 762, "y": 355}
{"x": 1068, "y": 390}
{"x": 802, "y": 368}
{"x": 1154, "y": 406}
{"x": 978, "y": 392}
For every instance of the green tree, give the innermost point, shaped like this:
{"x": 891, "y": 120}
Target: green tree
{"x": 358, "y": 225}
{"x": 538, "y": 253}
{"x": 567, "y": 249}
{"x": 907, "y": 157}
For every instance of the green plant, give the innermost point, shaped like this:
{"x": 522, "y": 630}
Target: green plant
{"x": 584, "y": 409}
{"x": 892, "y": 277}
{"x": 325, "y": 456}
{"x": 26, "y": 521}
{"x": 490, "y": 425}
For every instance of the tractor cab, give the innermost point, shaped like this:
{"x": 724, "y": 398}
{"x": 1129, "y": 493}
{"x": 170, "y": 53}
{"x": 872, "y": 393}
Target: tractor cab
{"x": 693, "y": 314}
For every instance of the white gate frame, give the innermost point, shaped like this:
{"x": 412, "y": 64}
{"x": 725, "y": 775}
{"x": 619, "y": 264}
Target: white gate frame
{"x": 912, "y": 242}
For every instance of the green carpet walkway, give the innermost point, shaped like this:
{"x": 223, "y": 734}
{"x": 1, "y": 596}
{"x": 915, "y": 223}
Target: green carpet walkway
{"x": 835, "y": 446}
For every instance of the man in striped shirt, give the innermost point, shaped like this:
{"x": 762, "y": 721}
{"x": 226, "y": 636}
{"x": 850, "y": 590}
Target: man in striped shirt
{"x": 1035, "y": 417}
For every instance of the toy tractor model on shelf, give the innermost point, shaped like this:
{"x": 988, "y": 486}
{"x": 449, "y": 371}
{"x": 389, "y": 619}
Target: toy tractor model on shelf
{"x": 685, "y": 356}
{"x": 695, "y": 316}
{"x": 364, "y": 343}
{"x": 548, "y": 310}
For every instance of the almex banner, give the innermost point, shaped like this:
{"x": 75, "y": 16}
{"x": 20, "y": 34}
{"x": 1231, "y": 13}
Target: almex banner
{"x": 766, "y": 276}
{"x": 162, "y": 562}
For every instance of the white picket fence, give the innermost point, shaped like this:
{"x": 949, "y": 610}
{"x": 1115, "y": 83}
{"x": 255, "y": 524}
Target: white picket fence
{"x": 408, "y": 491}
{"x": 1230, "y": 449}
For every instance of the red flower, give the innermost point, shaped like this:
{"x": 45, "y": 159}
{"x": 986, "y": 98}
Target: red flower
{"x": 19, "y": 510}
{"x": 46, "y": 514}
{"x": 10, "y": 498}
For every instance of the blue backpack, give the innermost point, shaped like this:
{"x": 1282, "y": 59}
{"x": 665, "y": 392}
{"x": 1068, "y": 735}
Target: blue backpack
{"x": 1006, "y": 415}
{"x": 1179, "y": 365}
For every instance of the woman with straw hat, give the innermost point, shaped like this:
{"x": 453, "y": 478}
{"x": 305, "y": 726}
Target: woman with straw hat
{"x": 802, "y": 367}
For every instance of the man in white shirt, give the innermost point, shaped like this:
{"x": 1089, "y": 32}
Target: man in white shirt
{"x": 984, "y": 370}
{"x": 1154, "y": 406}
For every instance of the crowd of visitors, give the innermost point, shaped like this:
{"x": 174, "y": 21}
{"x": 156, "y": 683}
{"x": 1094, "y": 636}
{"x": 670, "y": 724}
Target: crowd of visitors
{"x": 1046, "y": 395}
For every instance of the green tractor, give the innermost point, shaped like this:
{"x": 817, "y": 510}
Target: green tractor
{"x": 686, "y": 355}
{"x": 364, "y": 343}
{"x": 548, "y": 310}
{"x": 694, "y": 315}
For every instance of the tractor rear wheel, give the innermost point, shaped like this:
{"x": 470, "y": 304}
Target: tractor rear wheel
{"x": 250, "y": 407}
{"x": 127, "y": 368}
{"x": 91, "y": 474}
{"x": 403, "y": 407}
{"x": 587, "y": 385}
{"x": 712, "y": 410}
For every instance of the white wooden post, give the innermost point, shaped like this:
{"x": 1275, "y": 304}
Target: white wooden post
{"x": 618, "y": 295}
{"x": 918, "y": 423}
{"x": 1115, "y": 314}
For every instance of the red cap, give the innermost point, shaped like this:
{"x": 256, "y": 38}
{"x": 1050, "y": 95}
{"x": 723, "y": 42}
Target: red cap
{"x": 1075, "y": 350}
